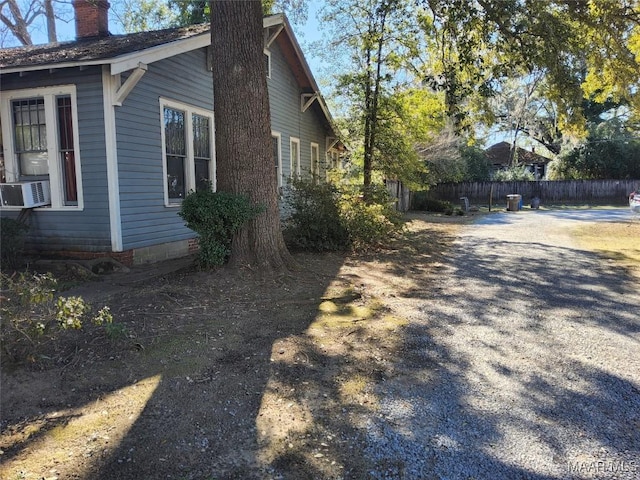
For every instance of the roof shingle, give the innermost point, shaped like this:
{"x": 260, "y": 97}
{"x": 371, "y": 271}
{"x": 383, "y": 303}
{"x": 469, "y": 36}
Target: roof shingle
{"x": 94, "y": 49}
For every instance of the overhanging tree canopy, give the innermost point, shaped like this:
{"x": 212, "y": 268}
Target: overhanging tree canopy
{"x": 586, "y": 49}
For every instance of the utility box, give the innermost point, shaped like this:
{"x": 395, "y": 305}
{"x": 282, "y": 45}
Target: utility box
{"x": 514, "y": 202}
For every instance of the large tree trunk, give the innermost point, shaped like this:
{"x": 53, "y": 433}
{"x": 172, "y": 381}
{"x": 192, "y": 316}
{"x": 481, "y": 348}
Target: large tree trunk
{"x": 377, "y": 26}
{"x": 243, "y": 130}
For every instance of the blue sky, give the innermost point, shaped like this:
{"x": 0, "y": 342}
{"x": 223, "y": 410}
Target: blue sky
{"x": 310, "y": 32}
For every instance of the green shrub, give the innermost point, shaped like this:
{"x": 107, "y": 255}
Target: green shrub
{"x": 422, "y": 203}
{"x": 599, "y": 158}
{"x": 113, "y": 330}
{"x": 315, "y": 223}
{"x": 33, "y": 319}
{"x": 517, "y": 173}
{"x": 328, "y": 218}
{"x": 12, "y": 234}
{"x": 478, "y": 165}
{"x": 216, "y": 217}
{"x": 372, "y": 223}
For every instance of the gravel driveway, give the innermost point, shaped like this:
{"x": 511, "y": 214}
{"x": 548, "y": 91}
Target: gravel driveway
{"x": 523, "y": 362}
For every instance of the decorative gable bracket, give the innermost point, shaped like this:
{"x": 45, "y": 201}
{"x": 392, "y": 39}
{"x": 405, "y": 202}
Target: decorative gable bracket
{"x": 271, "y": 33}
{"x": 332, "y": 142}
{"x": 306, "y": 99}
{"x": 133, "y": 79}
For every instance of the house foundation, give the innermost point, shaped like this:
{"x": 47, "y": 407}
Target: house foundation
{"x": 132, "y": 257}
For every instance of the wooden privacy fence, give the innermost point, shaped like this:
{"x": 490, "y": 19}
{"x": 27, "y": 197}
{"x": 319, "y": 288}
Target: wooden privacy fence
{"x": 567, "y": 191}
{"x": 401, "y": 194}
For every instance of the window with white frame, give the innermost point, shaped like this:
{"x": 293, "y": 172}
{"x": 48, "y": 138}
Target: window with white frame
{"x": 3, "y": 176}
{"x": 315, "y": 161}
{"x": 202, "y": 140}
{"x": 267, "y": 62}
{"x": 187, "y": 139}
{"x": 276, "y": 139}
{"x": 294, "y": 154}
{"x": 40, "y": 135}
{"x": 333, "y": 161}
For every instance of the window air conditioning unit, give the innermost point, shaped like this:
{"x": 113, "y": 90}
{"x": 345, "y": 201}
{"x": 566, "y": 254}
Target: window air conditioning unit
{"x": 25, "y": 194}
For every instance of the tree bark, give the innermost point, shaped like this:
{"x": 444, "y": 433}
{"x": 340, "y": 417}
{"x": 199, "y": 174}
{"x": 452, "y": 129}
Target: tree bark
{"x": 372, "y": 93}
{"x": 51, "y": 21}
{"x": 244, "y": 153}
{"x": 374, "y": 105}
{"x": 367, "y": 166}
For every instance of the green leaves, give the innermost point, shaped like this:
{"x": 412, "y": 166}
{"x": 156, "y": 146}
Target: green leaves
{"x": 315, "y": 222}
{"x": 33, "y": 318}
{"x": 216, "y": 217}
{"x": 582, "y": 48}
{"x": 327, "y": 217}
{"x": 70, "y": 312}
{"x": 599, "y": 158}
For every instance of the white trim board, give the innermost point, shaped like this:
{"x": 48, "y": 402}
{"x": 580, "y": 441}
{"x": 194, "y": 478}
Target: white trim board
{"x": 111, "y": 150}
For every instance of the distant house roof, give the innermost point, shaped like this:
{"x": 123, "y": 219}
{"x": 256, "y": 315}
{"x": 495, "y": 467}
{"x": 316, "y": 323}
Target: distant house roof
{"x": 500, "y": 154}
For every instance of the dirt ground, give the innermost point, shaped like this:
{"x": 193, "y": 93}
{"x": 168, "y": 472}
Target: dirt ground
{"x": 222, "y": 374}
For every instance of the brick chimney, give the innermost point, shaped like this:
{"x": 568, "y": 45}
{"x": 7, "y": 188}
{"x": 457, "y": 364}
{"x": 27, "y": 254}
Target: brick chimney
{"x": 91, "y": 18}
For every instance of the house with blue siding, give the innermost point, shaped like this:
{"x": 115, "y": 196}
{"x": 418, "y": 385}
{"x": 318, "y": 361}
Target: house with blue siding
{"x": 103, "y": 137}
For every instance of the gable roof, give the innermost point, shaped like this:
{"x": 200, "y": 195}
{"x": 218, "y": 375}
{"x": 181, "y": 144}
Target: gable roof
{"x": 500, "y": 153}
{"x": 125, "y": 52}
{"x": 114, "y": 49}
{"x": 291, "y": 50}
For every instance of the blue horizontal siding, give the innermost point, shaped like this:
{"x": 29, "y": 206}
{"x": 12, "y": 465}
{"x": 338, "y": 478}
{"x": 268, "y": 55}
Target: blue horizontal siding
{"x": 74, "y": 229}
{"x": 287, "y": 117}
{"x": 145, "y": 219}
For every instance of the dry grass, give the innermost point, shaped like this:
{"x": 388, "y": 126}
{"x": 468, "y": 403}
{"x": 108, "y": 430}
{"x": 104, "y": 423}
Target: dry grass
{"x": 618, "y": 241}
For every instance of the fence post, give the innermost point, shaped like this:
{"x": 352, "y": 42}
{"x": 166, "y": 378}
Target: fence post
{"x": 490, "y": 197}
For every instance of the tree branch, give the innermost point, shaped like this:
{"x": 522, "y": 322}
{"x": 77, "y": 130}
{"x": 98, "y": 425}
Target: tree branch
{"x": 19, "y": 28}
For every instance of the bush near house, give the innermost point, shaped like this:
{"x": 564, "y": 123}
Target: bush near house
{"x": 423, "y": 203}
{"x": 34, "y": 317}
{"x": 328, "y": 217}
{"x": 599, "y": 159}
{"x": 516, "y": 173}
{"x": 12, "y": 234}
{"x": 314, "y": 224}
{"x": 216, "y": 217}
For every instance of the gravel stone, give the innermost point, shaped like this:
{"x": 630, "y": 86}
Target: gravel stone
{"x": 528, "y": 352}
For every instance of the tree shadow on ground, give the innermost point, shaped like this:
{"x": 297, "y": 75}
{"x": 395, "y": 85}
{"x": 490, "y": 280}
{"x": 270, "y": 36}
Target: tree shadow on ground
{"x": 521, "y": 365}
{"x": 329, "y": 375}
{"x": 199, "y": 357}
